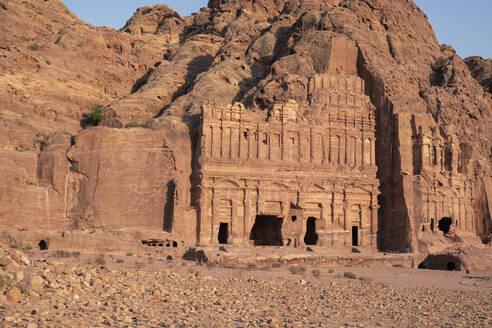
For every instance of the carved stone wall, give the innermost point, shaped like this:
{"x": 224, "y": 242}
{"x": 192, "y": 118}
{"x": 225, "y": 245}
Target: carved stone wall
{"x": 311, "y": 168}
{"x": 442, "y": 189}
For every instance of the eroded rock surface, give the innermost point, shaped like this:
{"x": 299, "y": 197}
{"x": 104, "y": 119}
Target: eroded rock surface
{"x": 481, "y": 70}
{"x": 432, "y": 132}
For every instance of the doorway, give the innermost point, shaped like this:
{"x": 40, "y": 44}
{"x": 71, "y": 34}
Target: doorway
{"x": 43, "y": 245}
{"x": 223, "y": 233}
{"x": 267, "y": 231}
{"x": 445, "y": 224}
{"x": 311, "y": 237}
{"x": 355, "y": 236}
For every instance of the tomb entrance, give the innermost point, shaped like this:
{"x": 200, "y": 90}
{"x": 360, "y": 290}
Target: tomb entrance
{"x": 267, "y": 231}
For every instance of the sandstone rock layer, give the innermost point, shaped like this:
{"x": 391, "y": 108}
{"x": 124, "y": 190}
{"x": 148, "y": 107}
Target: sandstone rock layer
{"x": 162, "y": 72}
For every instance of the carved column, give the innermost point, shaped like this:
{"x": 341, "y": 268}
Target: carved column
{"x": 374, "y": 213}
{"x": 206, "y": 215}
{"x": 350, "y": 156}
{"x": 249, "y": 211}
{"x": 346, "y": 208}
{"x": 373, "y": 153}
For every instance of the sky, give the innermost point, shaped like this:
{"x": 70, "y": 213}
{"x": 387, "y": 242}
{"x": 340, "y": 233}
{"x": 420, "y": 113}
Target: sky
{"x": 466, "y": 25}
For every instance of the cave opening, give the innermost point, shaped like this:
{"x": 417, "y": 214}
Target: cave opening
{"x": 311, "y": 237}
{"x": 267, "y": 231}
{"x": 445, "y": 224}
{"x": 223, "y": 233}
{"x": 355, "y": 236}
{"x": 432, "y": 225}
{"x": 451, "y": 266}
{"x": 43, "y": 245}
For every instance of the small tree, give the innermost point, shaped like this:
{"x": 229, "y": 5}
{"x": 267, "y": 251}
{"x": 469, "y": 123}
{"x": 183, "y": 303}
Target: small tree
{"x": 34, "y": 47}
{"x": 95, "y": 117}
{"x": 440, "y": 65}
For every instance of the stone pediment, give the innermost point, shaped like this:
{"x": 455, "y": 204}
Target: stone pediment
{"x": 316, "y": 187}
{"x": 227, "y": 184}
{"x": 274, "y": 185}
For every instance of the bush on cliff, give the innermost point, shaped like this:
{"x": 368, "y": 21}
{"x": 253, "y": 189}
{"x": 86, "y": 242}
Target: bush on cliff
{"x": 95, "y": 117}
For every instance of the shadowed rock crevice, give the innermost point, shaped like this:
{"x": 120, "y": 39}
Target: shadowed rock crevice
{"x": 394, "y": 226}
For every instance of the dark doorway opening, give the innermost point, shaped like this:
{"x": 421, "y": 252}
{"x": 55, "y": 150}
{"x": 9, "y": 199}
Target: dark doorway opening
{"x": 43, "y": 245}
{"x": 311, "y": 237}
{"x": 451, "y": 266}
{"x": 445, "y": 224}
{"x": 355, "y": 236}
{"x": 267, "y": 231}
{"x": 432, "y": 225}
{"x": 223, "y": 233}
{"x": 169, "y": 206}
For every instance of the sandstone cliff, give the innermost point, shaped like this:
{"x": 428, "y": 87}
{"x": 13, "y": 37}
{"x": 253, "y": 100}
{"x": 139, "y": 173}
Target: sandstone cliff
{"x": 481, "y": 70}
{"x": 161, "y": 68}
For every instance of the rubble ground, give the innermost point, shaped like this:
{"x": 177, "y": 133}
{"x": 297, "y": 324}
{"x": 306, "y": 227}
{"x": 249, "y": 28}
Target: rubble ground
{"x": 63, "y": 289}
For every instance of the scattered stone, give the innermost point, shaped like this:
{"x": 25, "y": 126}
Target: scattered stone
{"x": 14, "y": 295}
{"x": 355, "y": 250}
{"x": 37, "y": 282}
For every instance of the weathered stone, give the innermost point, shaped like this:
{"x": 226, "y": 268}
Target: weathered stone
{"x": 97, "y": 283}
{"x": 14, "y": 295}
{"x": 248, "y": 109}
{"x": 37, "y": 282}
{"x": 481, "y": 70}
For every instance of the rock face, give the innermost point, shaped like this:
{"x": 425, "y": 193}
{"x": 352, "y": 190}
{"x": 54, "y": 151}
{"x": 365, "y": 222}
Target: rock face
{"x": 257, "y": 183}
{"x": 432, "y": 119}
{"x": 481, "y": 70}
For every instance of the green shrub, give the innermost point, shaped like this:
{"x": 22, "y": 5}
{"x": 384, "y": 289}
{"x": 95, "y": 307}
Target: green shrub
{"x": 350, "y": 275}
{"x": 211, "y": 265}
{"x": 366, "y": 280}
{"x": 76, "y": 254}
{"x": 120, "y": 261}
{"x": 129, "y": 254}
{"x": 97, "y": 114}
{"x": 61, "y": 253}
{"x": 43, "y": 183}
{"x": 34, "y": 47}
{"x": 297, "y": 270}
{"x": 3, "y": 281}
{"x": 133, "y": 125}
{"x": 251, "y": 266}
{"x": 74, "y": 167}
{"x": 439, "y": 64}
{"x": 316, "y": 273}
{"x": 95, "y": 117}
{"x": 100, "y": 260}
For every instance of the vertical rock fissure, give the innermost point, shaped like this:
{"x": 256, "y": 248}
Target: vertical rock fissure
{"x": 394, "y": 223}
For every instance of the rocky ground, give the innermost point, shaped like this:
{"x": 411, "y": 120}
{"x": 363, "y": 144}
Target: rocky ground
{"x": 60, "y": 289}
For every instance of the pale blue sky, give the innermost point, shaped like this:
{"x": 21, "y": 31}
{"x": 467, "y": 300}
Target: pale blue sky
{"x": 464, "y": 24}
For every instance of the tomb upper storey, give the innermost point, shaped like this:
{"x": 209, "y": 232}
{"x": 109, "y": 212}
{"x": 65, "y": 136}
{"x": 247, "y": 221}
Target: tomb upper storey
{"x": 334, "y": 128}
{"x": 332, "y": 99}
